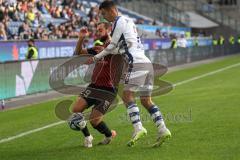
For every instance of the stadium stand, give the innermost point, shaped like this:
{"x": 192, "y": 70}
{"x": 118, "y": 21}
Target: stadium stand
{"x": 50, "y": 19}
{"x": 60, "y": 19}
{"x": 216, "y": 11}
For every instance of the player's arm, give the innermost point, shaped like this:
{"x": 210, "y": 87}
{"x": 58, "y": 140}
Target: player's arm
{"x": 116, "y": 35}
{"x": 79, "y": 48}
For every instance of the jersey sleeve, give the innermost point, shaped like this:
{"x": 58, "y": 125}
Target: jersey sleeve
{"x": 91, "y": 51}
{"x": 95, "y": 50}
{"x": 116, "y": 34}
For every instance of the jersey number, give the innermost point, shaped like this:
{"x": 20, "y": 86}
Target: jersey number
{"x": 86, "y": 93}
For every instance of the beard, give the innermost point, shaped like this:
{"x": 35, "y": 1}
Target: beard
{"x": 104, "y": 38}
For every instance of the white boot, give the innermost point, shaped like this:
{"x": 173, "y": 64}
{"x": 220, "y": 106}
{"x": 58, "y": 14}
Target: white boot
{"x": 88, "y": 141}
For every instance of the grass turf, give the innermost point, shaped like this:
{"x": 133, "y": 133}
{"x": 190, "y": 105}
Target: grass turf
{"x": 203, "y": 116}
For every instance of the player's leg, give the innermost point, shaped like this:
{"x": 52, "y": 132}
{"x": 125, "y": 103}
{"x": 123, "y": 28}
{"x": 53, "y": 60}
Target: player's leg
{"x": 79, "y": 106}
{"x": 146, "y": 101}
{"x": 134, "y": 114}
{"x": 163, "y": 131}
{"x": 96, "y": 120}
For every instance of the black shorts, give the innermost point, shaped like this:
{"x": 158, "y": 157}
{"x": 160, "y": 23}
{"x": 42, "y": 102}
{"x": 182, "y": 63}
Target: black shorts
{"x": 99, "y": 97}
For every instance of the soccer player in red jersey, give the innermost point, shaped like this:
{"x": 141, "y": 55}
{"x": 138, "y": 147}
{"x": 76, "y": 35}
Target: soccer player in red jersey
{"x": 104, "y": 78}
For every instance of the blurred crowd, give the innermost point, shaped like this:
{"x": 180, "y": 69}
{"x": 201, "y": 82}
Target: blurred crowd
{"x": 35, "y": 19}
{"x": 31, "y": 15}
{"x": 31, "y": 12}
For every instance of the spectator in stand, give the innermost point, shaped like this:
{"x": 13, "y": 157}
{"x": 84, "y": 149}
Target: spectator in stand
{"x": 42, "y": 7}
{"x": 37, "y": 33}
{"x": 30, "y": 15}
{"x": 24, "y": 31}
{"x": 80, "y": 7}
{"x": 20, "y": 13}
{"x": 64, "y": 13}
{"x": 44, "y": 35}
{"x": 3, "y": 35}
{"x": 24, "y": 6}
{"x": 8, "y": 31}
{"x": 1, "y": 13}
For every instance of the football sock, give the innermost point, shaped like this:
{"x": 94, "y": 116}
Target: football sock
{"x": 103, "y": 128}
{"x": 156, "y": 116}
{"x": 85, "y": 132}
{"x": 133, "y": 112}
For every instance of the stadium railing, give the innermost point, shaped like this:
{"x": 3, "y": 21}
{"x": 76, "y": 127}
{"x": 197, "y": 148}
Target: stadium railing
{"x": 216, "y": 14}
{"x": 209, "y": 10}
{"x": 159, "y": 10}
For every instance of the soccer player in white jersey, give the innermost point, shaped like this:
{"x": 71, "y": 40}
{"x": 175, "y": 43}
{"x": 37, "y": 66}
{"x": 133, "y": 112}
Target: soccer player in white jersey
{"x": 140, "y": 72}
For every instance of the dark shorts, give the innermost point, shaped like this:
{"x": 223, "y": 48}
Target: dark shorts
{"x": 99, "y": 97}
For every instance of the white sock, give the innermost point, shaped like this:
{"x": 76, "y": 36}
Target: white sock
{"x": 157, "y": 117}
{"x": 133, "y": 112}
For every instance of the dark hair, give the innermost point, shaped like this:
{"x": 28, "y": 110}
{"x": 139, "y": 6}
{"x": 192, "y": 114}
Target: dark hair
{"x": 31, "y": 40}
{"x": 106, "y": 24}
{"x": 107, "y": 4}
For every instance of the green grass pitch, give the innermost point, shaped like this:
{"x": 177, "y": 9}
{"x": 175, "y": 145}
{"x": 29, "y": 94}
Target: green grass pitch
{"x": 203, "y": 116}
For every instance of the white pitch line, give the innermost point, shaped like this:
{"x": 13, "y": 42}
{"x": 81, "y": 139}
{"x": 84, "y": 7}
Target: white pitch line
{"x": 30, "y": 132}
{"x": 61, "y": 122}
{"x": 206, "y": 74}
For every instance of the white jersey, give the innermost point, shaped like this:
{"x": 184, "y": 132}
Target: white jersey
{"x": 126, "y": 40}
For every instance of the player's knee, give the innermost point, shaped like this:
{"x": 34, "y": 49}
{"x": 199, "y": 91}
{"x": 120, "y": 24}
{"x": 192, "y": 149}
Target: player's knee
{"x": 95, "y": 117}
{"x": 74, "y": 109}
{"x": 79, "y": 106}
{"x": 128, "y": 97}
{"x": 94, "y": 121}
{"x": 146, "y": 102}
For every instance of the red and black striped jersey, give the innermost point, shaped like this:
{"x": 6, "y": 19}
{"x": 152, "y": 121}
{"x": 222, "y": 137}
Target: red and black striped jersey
{"x": 107, "y": 71}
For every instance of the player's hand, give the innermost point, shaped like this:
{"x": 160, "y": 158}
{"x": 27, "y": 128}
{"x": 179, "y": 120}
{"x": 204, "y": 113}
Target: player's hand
{"x": 90, "y": 60}
{"x": 83, "y": 32}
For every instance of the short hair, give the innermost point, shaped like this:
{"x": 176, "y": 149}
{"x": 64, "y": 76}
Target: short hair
{"x": 107, "y": 4}
{"x": 106, "y": 24}
{"x": 31, "y": 40}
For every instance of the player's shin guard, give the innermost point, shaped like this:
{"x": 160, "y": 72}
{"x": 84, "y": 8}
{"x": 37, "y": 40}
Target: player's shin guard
{"x": 85, "y": 131}
{"x": 103, "y": 128}
{"x": 157, "y": 116}
{"x": 133, "y": 112}
{"x": 83, "y": 125}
